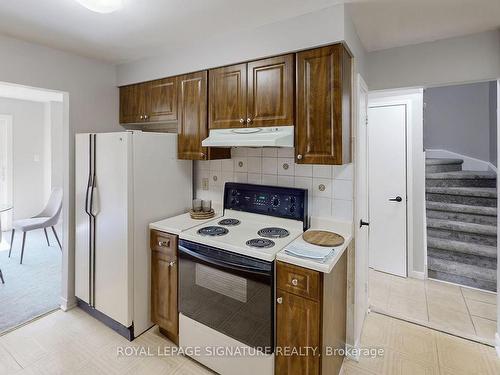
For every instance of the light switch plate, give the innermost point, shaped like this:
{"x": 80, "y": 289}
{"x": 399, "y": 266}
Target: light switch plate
{"x": 204, "y": 183}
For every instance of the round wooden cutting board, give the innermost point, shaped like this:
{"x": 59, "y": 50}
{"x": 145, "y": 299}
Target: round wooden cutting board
{"x": 323, "y": 238}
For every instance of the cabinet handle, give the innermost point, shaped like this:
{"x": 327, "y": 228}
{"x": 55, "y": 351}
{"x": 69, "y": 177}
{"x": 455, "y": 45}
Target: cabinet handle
{"x": 299, "y": 157}
{"x": 295, "y": 282}
{"x": 242, "y": 120}
{"x": 279, "y": 300}
{"x": 171, "y": 264}
{"x": 164, "y": 243}
{"x": 249, "y": 120}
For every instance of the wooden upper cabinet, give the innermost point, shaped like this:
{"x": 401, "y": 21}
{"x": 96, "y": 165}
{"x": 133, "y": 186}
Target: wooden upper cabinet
{"x": 134, "y": 102}
{"x": 323, "y": 104}
{"x": 271, "y": 91}
{"x": 228, "y": 97}
{"x": 163, "y": 100}
{"x": 297, "y": 326}
{"x": 192, "y": 125}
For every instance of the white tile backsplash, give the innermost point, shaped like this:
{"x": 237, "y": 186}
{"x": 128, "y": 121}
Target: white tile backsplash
{"x": 286, "y": 166}
{"x": 254, "y": 164}
{"x": 265, "y": 166}
{"x": 269, "y": 165}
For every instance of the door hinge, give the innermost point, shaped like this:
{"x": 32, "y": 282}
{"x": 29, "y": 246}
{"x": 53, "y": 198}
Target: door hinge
{"x": 366, "y": 120}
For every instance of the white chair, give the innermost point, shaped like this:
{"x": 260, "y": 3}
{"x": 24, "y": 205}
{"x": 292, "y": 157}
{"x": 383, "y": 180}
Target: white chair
{"x": 45, "y": 219}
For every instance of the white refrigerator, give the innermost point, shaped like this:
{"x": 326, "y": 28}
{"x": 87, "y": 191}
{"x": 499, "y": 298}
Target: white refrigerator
{"x": 123, "y": 181}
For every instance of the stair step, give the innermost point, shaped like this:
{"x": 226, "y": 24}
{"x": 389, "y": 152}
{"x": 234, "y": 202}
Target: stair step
{"x": 461, "y": 179}
{"x": 467, "y": 281}
{"x": 442, "y": 165}
{"x": 477, "y": 196}
{"x": 461, "y": 269}
{"x": 462, "y": 247}
{"x": 474, "y": 260}
{"x": 465, "y": 232}
{"x": 488, "y": 230}
{"x": 462, "y": 208}
{"x": 458, "y": 216}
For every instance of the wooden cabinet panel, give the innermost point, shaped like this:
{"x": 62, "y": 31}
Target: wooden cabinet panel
{"x": 134, "y": 102}
{"x": 164, "y": 310}
{"x": 298, "y": 280}
{"x": 323, "y": 96}
{"x": 297, "y": 327}
{"x": 163, "y": 100}
{"x": 165, "y": 243}
{"x": 271, "y": 91}
{"x": 228, "y": 97}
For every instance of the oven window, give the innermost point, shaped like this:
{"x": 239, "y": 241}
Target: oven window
{"x": 237, "y": 305}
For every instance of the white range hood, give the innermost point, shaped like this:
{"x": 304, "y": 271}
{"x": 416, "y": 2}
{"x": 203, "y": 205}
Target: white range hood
{"x": 276, "y": 136}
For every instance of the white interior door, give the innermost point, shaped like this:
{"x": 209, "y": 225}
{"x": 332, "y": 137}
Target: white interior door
{"x": 6, "y": 169}
{"x": 387, "y": 188}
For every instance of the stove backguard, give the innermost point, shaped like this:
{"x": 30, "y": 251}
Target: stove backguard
{"x": 283, "y": 202}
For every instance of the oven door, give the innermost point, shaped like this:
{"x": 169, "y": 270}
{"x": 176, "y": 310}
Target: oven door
{"x": 230, "y": 293}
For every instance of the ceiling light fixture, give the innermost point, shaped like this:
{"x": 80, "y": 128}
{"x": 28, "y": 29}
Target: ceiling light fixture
{"x": 102, "y": 6}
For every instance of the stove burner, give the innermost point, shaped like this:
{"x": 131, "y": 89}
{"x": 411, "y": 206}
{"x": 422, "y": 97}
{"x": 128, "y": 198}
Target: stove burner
{"x": 229, "y": 222}
{"x": 261, "y": 243}
{"x": 273, "y": 232}
{"x": 213, "y": 231}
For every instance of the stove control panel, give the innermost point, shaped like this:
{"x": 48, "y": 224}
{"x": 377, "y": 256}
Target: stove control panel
{"x": 290, "y": 203}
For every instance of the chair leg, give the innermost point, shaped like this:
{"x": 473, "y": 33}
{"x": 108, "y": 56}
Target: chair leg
{"x": 46, "y": 236}
{"x": 11, "y": 241}
{"x": 1, "y": 277}
{"x": 57, "y": 238}
{"x": 22, "y": 248}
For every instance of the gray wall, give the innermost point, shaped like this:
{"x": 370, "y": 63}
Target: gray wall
{"x": 458, "y": 119}
{"x": 493, "y": 123}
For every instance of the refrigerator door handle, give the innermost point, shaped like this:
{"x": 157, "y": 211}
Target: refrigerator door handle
{"x": 93, "y": 219}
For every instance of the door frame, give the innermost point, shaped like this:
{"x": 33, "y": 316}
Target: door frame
{"x": 415, "y": 191}
{"x": 10, "y": 162}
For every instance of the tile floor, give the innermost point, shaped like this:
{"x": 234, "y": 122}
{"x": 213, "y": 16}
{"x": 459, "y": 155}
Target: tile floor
{"x": 410, "y": 349}
{"x": 77, "y": 344}
{"x": 458, "y": 310}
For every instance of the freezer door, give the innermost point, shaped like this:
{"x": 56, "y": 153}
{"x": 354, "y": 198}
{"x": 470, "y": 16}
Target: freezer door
{"x": 82, "y": 228}
{"x": 113, "y": 234}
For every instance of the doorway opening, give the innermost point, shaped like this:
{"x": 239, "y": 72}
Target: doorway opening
{"x": 434, "y": 262}
{"x": 31, "y": 203}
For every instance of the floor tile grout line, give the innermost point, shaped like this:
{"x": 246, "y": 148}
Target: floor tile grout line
{"x": 468, "y": 311}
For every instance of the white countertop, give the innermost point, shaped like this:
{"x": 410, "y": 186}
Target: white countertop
{"x": 344, "y": 228}
{"x": 180, "y": 223}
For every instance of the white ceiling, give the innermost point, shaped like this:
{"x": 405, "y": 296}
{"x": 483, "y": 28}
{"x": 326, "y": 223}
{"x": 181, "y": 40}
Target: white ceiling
{"x": 146, "y": 28}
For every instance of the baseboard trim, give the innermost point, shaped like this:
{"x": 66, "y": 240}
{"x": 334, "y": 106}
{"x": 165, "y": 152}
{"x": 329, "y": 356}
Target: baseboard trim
{"x": 497, "y": 344}
{"x": 417, "y": 275}
{"x": 67, "y": 305}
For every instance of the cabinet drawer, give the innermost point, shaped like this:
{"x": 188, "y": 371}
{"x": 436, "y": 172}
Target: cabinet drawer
{"x": 298, "y": 280}
{"x": 165, "y": 243}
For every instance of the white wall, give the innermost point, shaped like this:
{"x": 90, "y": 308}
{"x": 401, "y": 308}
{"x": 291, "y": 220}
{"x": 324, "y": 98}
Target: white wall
{"x": 322, "y": 27}
{"x": 93, "y": 106}
{"x": 28, "y": 143}
{"x": 457, "y": 119}
{"x": 463, "y": 59}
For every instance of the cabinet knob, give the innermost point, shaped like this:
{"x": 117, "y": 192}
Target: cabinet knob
{"x": 171, "y": 264}
{"x": 242, "y": 120}
{"x": 141, "y": 117}
{"x": 164, "y": 243}
{"x": 146, "y": 117}
{"x": 299, "y": 156}
{"x": 249, "y": 120}
{"x": 279, "y": 300}
{"x": 295, "y": 282}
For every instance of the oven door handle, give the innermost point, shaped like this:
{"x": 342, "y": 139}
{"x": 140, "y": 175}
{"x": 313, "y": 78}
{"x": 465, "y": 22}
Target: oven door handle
{"x": 220, "y": 263}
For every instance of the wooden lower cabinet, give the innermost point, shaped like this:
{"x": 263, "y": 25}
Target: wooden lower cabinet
{"x": 164, "y": 276}
{"x": 310, "y": 319}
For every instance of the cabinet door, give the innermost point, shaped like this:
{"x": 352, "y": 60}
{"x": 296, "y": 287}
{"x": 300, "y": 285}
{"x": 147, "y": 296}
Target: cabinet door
{"x": 323, "y": 106}
{"x": 270, "y": 91}
{"x": 134, "y": 102}
{"x": 297, "y": 327}
{"x": 163, "y": 100}
{"x": 228, "y": 97}
{"x": 164, "y": 310}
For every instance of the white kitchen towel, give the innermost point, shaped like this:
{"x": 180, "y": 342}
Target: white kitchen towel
{"x": 310, "y": 251}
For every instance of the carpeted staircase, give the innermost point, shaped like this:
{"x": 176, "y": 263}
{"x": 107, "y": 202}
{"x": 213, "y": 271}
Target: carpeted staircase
{"x": 461, "y": 224}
